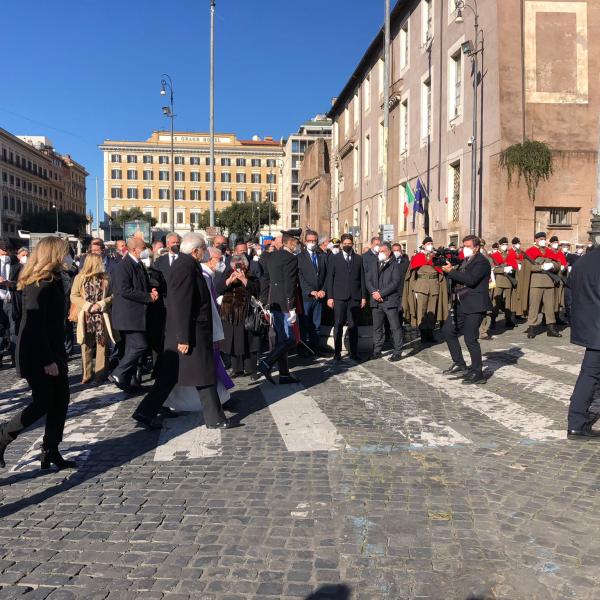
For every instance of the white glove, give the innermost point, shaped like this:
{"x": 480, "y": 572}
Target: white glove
{"x": 291, "y": 317}
{"x": 520, "y": 266}
{"x": 508, "y": 269}
{"x": 569, "y": 268}
{"x": 563, "y": 268}
{"x": 547, "y": 266}
{"x": 219, "y": 300}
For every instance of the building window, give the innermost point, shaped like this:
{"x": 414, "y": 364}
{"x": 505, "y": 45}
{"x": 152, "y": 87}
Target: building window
{"x": 164, "y": 194}
{"x": 132, "y": 193}
{"x": 164, "y": 217}
{"x": 195, "y": 195}
{"x": 163, "y": 175}
{"x": 404, "y": 46}
{"x": 367, "y": 93}
{"x": 163, "y": 160}
{"x": 367, "y": 155}
{"x": 148, "y": 213}
{"x": 255, "y": 178}
{"x": 207, "y": 195}
{"x": 271, "y": 162}
{"x": 147, "y": 193}
{"x": 404, "y": 120}
{"x": 148, "y": 159}
{"x": 116, "y": 158}
{"x": 356, "y": 108}
{"x": 194, "y": 160}
{"x": 179, "y": 176}
{"x": 195, "y": 176}
{"x": 271, "y": 178}
{"x": 381, "y": 144}
{"x": 116, "y": 192}
{"x": 355, "y": 165}
{"x": 240, "y": 196}
{"x": 240, "y": 162}
{"x": 272, "y": 197}
{"x": 179, "y": 217}
{"x": 207, "y": 161}
{"x": 225, "y": 162}
{"x": 455, "y": 84}
{"x": 427, "y": 20}
{"x": 131, "y": 158}
{"x": 179, "y": 194}
{"x": 131, "y": 174}
{"x": 380, "y": 76}
{"x": 255, "y": 196}
{"x": 560, "y": 217}
{"x": 114, "y": 174}
{"x": 148, "y": 175}
{"x": 180, "y": 160}
{"x": 426, "y": 109}
{"x": 240, "y": 177}
{"x": 195, "y": 218}
{"x": 454, "y": 191}
{"x": 256, "y": 162}
{"x": 225, "y": 195}
{"x": 225, "y": 177}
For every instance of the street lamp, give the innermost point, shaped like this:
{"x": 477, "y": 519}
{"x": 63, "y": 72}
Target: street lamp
{"x": 472, "y": 50}
{"x": 270, "y": 197}
{"x": 56, "y": 209}
{"x": 169, "y": 111}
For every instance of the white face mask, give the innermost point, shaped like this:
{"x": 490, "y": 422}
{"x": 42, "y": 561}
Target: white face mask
{"x": 144, "y": 254}
{"x": 375, "y": 249}
{"x": 504, "y": 247}
{"x": 590, "y": 245}
{"x": 517, "y": 246}
{"x": 554, "y": 245}
{"x": 147, "y": 261}
{"x": 335, "y": 250}
{"x": 579, "y": 250}
{"x": 397, "y": 253}
{"x": 428, "y": 247}
{"x": 23, "y": 259}
{"x": 258, "y": 251}
{"x": 541, "y": 243}
{"x": 381, "y": 256}
{"x": 565, "y": 249}
{"x": 467, "y": 252}
{"x": 220, "y": 267}
{"x": 68, "y": 260}
{"x": 310, "y": 246}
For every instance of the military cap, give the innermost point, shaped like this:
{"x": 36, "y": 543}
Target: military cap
{"x": 540, "y": 234}
{"x": 294, "y": 232}
{"x": 428, "y": 240}
{"x": 335, "y": 241}
{"x": 516, "y": 240}
{"x": 504, "y": 240}
{"x": 554, "y": 238}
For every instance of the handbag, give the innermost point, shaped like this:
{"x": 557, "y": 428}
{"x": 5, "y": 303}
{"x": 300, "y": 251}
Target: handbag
{"x": 254, "y": 322}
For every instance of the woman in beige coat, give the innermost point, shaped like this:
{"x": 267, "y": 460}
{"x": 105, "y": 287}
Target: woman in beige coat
{"x": 91, "y": 298}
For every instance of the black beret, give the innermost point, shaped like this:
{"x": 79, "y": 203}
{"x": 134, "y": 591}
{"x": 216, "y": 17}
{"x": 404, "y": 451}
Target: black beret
{"x": 554, "y": 238}
{"x": 516, "y": 240}
{"x": 428, "y": 240}
{"x": 504, "y": 240}
{"x": 540, "y": 234}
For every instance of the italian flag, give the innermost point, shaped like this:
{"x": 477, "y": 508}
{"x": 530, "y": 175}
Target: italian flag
{"x": 410, "y": 198}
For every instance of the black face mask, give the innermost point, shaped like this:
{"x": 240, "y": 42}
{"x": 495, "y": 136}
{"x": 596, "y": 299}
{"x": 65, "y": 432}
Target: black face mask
{"x": 174, "y": 249}
{"x": 347, "y": 249}
{"x": 222, "y": 247}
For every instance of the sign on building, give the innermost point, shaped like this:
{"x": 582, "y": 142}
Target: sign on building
{"x": 387, "y": 233}
{"x": 130, "y": 228}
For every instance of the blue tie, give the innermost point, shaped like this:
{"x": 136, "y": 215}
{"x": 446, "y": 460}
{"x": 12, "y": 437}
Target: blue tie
{"x": 314, "y": 261}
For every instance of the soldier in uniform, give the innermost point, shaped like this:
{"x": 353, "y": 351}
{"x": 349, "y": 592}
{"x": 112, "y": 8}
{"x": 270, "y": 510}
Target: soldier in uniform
{"x": 425, "y": 297}
{"x": 538, "y": 281}
{"x": 559, "y": 296}
{"x": 505, "y": 269}
{"x": 489, "y": 321}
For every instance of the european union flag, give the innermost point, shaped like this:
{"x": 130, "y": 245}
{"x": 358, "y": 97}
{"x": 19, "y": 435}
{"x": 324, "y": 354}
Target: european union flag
{"x": 419, "y": 205}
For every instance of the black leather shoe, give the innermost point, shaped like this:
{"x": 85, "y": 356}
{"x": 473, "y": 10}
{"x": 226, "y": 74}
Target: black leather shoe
{"x": 456, "y": 369}
{"x": 2, "y": 463}
{"x": 587, "y": 433}
{"x": 375, "y": 356}
{"x": 226, "y": 424}
{"x": 530, "y": 333}
{"x": 395, "y": 357}
{"x": 510, "y": 325}
{"x": 167, "y": 412}
{"x": 115, "y": 380}
{"x": 325, "y": 349}
{"x": 553, "y": 332}
{"x": 52, "y": 456}
{"x": 474, "y": 378}
{"x": 289, "y": 378}
{"x": 149, "y": 422}
{"x": 355, "y": 357}
{"x": 337, "y": 357}
{"x": 263, "y": 370}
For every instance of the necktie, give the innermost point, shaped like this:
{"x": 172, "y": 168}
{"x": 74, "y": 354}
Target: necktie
{"x": 314, "y": 261}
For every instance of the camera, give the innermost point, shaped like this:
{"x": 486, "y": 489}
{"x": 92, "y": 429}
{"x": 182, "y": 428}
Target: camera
{"x": 445, "y": 255}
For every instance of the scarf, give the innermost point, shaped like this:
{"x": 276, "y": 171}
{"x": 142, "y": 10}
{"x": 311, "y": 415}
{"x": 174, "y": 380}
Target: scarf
{"x": 235, "y": 304}
{"x": 93, "y": 289}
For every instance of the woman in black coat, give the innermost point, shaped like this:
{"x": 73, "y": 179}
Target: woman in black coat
{"x": 241, "y": 345}
{"x": 41, "y": 355}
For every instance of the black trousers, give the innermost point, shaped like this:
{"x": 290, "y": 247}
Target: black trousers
{"x": 50, "y": 397}
{"x": 346, "y": 312}
{"x": 458, "y": 323}
{"x": 583, "y": 393}
{"x": 244, "y": 363}
{"x": 135, "y": 346}
{"x": 165, "y": 382}
{"x": 382, "y": 315}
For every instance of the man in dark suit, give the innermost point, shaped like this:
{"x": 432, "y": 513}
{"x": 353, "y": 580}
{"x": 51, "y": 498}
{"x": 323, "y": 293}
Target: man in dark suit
{"x": 386, "y": 281}
{"x": 165, "y": 262}
{"x": 312, "y": 273}
{"x": 471, "y": 301}
{"x": 132, "y": 294}
{"x": 346, "y": 293}
{"x": 584, "y": 282}
{"x": 188, "y": 358}
{"x": 97, "y": 247}
{"x": 370, "y": 259}
{"x": 281, "y": 277}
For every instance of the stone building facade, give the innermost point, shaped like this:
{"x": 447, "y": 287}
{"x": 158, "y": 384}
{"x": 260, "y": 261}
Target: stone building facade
{"x": 533, "y": 83}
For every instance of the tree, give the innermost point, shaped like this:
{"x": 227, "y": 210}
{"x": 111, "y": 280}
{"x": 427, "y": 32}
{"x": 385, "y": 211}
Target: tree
{"x": 133, "y": 214}
{"x": 246, "y": 218}
{"x": 45, "y": 222}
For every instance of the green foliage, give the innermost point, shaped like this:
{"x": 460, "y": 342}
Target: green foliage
{"x": 45, "y": 222}
{"x": 133, "y": 214}
{"x": 531, "y": 161}
{"x": 246, "y": 218}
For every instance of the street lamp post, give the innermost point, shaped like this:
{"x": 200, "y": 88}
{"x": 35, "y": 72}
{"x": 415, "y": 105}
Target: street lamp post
{"x": 270, "y": 198}
{"x": 169, "y": 111}
{"x": 473, "y": 52}
{"x": 212, "y": 113}
{"x": 56, "y": 209}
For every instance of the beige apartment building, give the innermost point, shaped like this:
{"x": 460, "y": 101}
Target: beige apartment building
{"x": 138, "y": 174}
{"x": 33, "y": 178}
{"x": 534, "y": 83}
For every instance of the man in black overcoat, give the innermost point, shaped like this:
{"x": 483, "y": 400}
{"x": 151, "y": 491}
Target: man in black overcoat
{"x": 188, "y": 358}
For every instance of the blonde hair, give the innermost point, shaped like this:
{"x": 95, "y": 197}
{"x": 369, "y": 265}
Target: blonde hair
{"x": 45, "y": 261}
{"x": 92, "y": 267}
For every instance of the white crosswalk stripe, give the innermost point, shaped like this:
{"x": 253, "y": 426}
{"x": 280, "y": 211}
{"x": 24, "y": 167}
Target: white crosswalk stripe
{"x": 510, "y": 414}
{"x": 541, "y": 358}
{"x": 188, "y": 437}
{"x": 571, "y": 348}
{"x": 303, "y": 426}
{"x": 527, "y": 381}
{"x": 412, "y": 421}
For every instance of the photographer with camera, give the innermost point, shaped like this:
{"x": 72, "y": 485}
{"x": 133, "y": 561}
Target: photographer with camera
{"x": 470, "y": 303}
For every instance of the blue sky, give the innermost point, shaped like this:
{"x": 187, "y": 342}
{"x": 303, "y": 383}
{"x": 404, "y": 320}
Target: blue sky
{"x": 81, "y": 71}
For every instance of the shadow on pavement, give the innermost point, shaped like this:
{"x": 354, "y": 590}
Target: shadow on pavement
{"x": 331, "y": 592}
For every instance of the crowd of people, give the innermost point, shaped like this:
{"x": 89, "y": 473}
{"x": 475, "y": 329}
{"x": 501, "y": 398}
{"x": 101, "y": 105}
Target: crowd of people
{"x": 196, "y": 315}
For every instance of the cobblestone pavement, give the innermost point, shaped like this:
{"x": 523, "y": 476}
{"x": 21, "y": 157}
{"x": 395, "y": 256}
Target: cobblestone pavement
{"x": 369, "y": 481}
